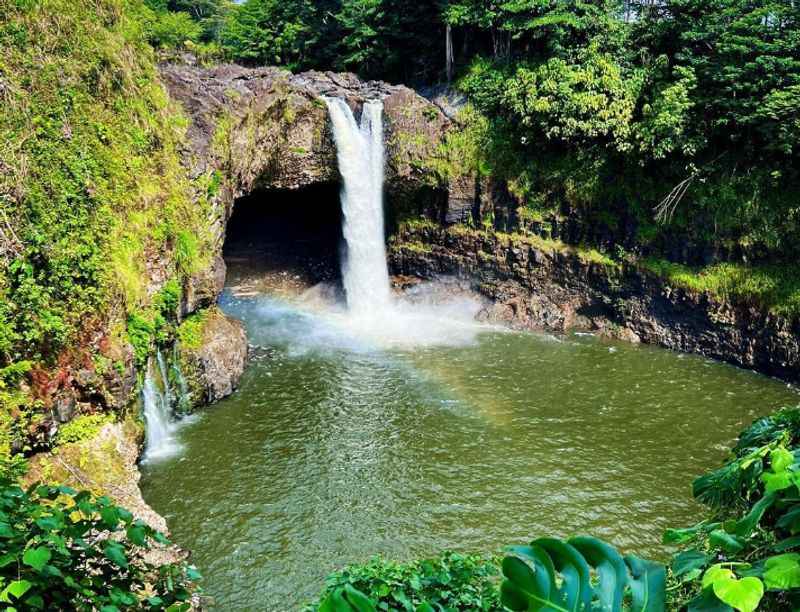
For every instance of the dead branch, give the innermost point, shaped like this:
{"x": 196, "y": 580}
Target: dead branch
{"x": 665, "y": 209}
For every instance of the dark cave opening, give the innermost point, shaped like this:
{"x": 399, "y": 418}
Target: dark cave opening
{"x": 285, "y": 237}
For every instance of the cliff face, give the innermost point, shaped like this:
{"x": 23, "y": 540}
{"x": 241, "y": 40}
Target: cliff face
{"x": 248, "y": 130}
{"x": 220, "y": 134}
{"x": 266, "y": 128}
{"x": 537, "y": 284}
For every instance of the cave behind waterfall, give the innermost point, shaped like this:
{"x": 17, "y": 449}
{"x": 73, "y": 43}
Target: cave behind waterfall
{"x": 287, "y": 239}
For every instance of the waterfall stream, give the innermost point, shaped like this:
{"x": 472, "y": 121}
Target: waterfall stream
{"x": 158, "y": 399}
{"x": 361, "y": 160}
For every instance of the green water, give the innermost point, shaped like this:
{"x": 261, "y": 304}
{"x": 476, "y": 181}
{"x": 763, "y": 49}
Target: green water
{"x": 334, "y": 450}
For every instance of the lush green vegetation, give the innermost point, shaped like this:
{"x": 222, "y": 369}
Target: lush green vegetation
{"x": 669, "y": 121}
{"x": 668, "y": 127}
{"x": 90, "y": 180}
{"x": 452, "y": 581}
{"x": 68, "y": 550}
{"x": 748, "y": 552}
{"x": 660, "y": 117}
{"x": 774, "y": 287}
{"x": 579, "y": 574}
{"x": 83, "y": 427}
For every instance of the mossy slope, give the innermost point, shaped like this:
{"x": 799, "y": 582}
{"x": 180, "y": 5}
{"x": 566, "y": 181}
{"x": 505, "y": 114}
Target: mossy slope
{"x": 96, "y": 211}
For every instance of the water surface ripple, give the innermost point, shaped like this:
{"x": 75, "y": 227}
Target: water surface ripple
{"x": 333, "y": 451}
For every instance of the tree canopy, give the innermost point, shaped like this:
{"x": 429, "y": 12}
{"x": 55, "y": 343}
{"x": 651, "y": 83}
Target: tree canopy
{"x": 689, "y": 110}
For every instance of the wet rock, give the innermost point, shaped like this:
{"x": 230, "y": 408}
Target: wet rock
{"x": 266, "y": 128}
{"x": 64, "y": 408}
{"x": 202, "y": 289}
{"x": 213, "y": 369}
{"x": 87, "y": 379}
{"x": 106, "y": 464}
{"x": 269, "y": 128}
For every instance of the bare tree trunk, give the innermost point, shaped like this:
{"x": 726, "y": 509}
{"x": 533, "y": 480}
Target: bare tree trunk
{"x": 501, "y": 44}
{"x": 449, "y": 60}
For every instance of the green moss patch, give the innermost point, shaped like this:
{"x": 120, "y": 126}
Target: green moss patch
{"x": 82, "y": 428}
{"x": 190, "y": 332}
{"x": 773, "y": 287}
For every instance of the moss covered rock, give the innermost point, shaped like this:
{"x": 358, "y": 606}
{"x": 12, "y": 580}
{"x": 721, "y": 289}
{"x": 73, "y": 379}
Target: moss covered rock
{"x": 213, "y": 352}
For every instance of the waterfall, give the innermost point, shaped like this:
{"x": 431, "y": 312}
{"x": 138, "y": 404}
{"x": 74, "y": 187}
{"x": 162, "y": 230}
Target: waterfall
{"x": 184, "y": 405}
{"x": 158, "y": 398}
{"x": 360, "y": 154}
{"x": 162, "y": 370}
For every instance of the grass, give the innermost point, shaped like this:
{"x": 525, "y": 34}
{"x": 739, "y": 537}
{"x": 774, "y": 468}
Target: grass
{"x": 416, "y": 246}
{"x": 773, "y": 287}
{"x": 585, "y": 253}
{"x": 190, "y": 332}
{"x": 82, "y": 428}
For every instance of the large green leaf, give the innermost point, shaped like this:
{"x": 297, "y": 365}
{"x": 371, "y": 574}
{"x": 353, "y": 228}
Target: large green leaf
{"x": 648, "y": 582}
{"x": 36, "y": 558}
{"x": 115, "y": 552}
{"x": 16, "y": 589}
{"x": 726, "y": 541}
{"x": 744, "y": 594}
{"x": 782, "y": 572}
{"x": 747, "y": 525}
{"x": 552, "y": 575}
{"x": 681, "y": 536}
{"x": 576, "y": 588}
{"x": 530, "y": 581}
{"x": 347, "y": 599}
{"x": 741, "y": 594}
{"x": 787, "y": 544}
{"x": 790, "y": 520}
{"x": 610, "y": 567}
{"x": 688, "y": 561}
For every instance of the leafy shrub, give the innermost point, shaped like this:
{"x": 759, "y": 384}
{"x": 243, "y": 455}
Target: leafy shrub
{"x": 451, "y": 581}
{"x": 166, "y": 301}
{"x": 82, "y": 427}
{"x": 140, "y": 335}
{"x": 173, "y": 30}
{"x": 61, "y": 549}
{"x": 748, "y": 552}
{"x": 186, "y": 252}
{"x": 580, "y": 574}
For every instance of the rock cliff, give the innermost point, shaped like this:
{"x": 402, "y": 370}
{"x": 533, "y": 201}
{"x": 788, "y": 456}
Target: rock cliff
{"x": 537, "y": 284}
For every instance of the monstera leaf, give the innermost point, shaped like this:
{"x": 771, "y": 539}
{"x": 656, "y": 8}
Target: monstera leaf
{"x": 579, "y": 575}
{"x": 347, "y": 599}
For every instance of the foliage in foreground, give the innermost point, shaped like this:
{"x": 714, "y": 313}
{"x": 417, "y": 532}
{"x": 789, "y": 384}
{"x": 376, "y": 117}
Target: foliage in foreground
{"x": 580, "y": 574}
{"x": 748, "y": 553}
{"x": 452, "y": 581}
{"x": 66, "y": 550}
{"x": 744, "y": 557}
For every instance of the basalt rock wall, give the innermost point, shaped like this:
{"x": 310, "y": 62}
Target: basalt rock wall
{"x": 535, "y": 286}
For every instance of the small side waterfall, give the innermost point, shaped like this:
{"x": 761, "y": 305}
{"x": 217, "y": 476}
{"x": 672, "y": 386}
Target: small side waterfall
{"x": 361, "y": 160}
{"x": 159, "y": 399}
